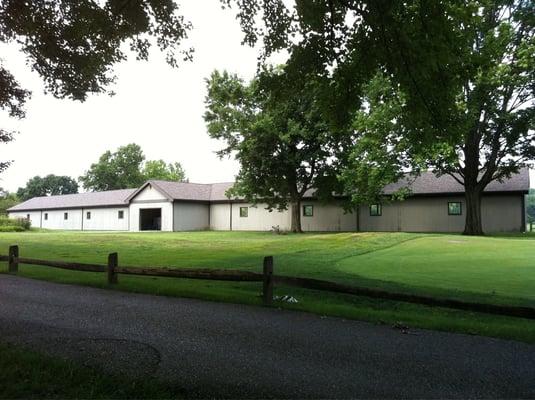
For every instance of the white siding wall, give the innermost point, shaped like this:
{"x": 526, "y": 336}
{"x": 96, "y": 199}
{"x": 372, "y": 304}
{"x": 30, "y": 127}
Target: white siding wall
{"x": 56, "y": 219}
{"x": 430, "y": 214}
{"x": 167, "y": 214}
{"x": 149, "y": 194}
{"x": 106, "y": 219}
{"x": 151, "y": 198}
{"x": 190, "y": 216}
{"x": 220, "y": 217}
{"x": 35, "y": 217}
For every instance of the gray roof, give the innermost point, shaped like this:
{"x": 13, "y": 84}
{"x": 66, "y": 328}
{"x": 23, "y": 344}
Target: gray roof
{"x": 429, "y": 183}
{"x": 182, "y": 190}
{"x": 189, "y": 191}
{"x": 426, "y": 183}
{"x": 89, "y": 199}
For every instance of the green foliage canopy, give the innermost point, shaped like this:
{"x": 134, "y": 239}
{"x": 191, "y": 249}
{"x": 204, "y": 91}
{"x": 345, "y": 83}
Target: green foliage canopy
{"x": 47, "y": 186}
{"x": 458, "y": 77}
{"x": 160, "y": 170}
{"x": 126, "y": 168}
{"x": 274, "y": 128}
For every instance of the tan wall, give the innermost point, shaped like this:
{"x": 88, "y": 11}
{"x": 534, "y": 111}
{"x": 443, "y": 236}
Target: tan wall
{"x": 500, "y": 213}
{"x": 259, "y": 219}
{"x": 326, "y": 218}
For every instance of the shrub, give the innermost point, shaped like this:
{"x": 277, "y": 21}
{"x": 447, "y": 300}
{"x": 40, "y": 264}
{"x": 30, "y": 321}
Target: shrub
{"x": 11, "y": 228}
{"x": 14, "y": 224}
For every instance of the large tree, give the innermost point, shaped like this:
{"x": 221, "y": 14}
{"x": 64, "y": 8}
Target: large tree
{"x": 159, "y": 169}
{"x": 491, "y": 132}
{"x": 274, "y": 128}
{"x": 74, "y": 45}
{"x": 464, "y": 72}
{"x": 7, "y": 200}
{"x": 126, "y": 168}
{"x": 47, "y": 186}
{"x": 121, "y": 169}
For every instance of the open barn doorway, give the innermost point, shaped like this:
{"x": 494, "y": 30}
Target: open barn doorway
{"x": 150, "y": 219}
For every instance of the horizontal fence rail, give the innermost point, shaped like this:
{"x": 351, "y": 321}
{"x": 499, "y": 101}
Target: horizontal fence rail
{"x": 193, "y": 273}
{"x": 268, "y": 280}
{"x": 62, "y": 264}
{"x": 315, "y": 284}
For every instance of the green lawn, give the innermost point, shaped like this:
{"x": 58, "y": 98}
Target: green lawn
{"x": 499, "y": 270}
{"x": 26, "y": 374}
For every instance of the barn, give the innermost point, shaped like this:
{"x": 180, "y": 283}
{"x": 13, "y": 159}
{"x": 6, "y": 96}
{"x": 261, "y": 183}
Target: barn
{"x": 436, "y": 204}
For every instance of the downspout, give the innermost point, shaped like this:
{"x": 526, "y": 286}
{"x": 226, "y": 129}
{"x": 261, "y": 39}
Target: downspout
{"x": 523, "y": 228}
{"x": 230, "y": 204}
{"x": 82, "y": 218}
{"x": 358, "y": 218}
{"x": 41, "y": 220}
{"x": 173, "y": 216}
{"x": 209, "y": 216}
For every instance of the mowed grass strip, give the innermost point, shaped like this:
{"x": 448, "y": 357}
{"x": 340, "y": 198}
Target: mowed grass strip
{"x": 499, "y": 270}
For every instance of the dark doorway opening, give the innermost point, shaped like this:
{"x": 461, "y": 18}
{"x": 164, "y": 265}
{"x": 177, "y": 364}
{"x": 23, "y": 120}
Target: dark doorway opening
{"x": 150, "y": 219}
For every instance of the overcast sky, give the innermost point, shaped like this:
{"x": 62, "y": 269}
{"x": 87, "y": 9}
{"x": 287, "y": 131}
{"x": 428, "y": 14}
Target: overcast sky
{"x": 156, "y": 106}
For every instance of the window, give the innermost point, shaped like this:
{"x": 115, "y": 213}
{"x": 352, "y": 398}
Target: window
{"x": 244, "y": 212}
{"x": 65, "y": 215}
{"x": 27, "y": 216}
{"x": 121, "y": 214}
{"x": 46, "y": 216}
{"x": 375, "y": 210}
{"x": 88, "y": 215}
{"x": 455, "y": 208}
{"x": 308, "y": 211}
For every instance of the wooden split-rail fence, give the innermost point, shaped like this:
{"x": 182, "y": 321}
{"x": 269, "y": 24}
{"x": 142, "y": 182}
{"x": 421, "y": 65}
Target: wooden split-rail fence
{"x": 268, "y": 279}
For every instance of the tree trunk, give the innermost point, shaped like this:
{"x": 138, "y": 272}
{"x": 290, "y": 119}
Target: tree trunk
{"x": 296, "y": 216}
{"x": 473, "y": 225}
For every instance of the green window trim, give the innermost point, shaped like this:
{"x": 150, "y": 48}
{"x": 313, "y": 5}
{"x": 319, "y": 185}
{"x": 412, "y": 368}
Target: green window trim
{"x": 308, "y": 210}
{"x": 376, "y": 210}
{"x": 455, "y": 208}
{"x": 244, "y": 212}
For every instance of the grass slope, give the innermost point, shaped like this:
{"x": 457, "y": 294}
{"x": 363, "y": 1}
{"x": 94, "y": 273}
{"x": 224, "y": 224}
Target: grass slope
{"x": 500, "y": 270}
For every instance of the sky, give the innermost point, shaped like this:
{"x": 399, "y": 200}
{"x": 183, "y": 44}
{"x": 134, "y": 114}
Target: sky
{"x": 156, "y": 106}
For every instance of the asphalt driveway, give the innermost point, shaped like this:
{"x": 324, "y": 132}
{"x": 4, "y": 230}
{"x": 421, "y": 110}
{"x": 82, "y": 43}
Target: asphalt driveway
{"x": 227, "y": 350}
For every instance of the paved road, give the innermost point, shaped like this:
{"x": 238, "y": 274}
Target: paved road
{"x": 240, "y": 351}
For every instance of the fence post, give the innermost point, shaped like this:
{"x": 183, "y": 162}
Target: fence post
{"x": 113, "y": 261}
{"x": 13, "y": 259}
{"x": 268, "y": 281}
